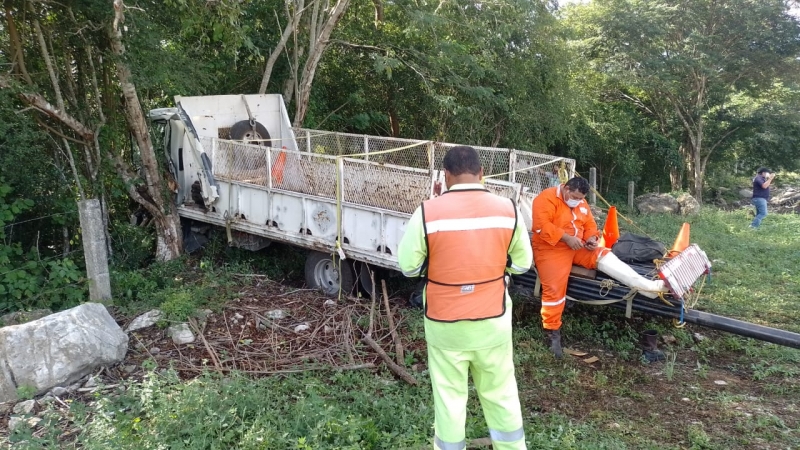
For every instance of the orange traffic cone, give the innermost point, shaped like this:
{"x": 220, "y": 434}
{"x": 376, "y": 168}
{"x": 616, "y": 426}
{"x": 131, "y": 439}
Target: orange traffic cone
{"x": 681, "y": 242}
{"x": 611, "y": 228}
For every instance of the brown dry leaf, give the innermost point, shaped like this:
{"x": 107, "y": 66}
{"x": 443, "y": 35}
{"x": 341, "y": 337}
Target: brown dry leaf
{"x": 591, "y": 360}
{"x": 575, "y": 352}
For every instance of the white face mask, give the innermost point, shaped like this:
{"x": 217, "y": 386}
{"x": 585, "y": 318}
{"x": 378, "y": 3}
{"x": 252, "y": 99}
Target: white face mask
{"x": 569, "y": 201}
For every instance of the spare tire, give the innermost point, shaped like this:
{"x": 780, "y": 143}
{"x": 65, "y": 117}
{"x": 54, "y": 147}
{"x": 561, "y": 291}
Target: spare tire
{"x": 242, "y": 130}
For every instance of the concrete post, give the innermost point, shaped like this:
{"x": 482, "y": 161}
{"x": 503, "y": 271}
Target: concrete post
{"x": 630, "y": 195}
{"x": 94, "y": 250}
{"x": 593, "y": 184}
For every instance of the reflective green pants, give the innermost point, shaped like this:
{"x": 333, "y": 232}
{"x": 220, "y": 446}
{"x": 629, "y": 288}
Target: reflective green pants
{"x": 492, "y": 372}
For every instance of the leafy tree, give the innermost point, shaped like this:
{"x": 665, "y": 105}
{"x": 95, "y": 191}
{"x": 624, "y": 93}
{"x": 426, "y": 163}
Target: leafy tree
{"x": 684, "y": 61}
{"x": 487, "y": 74}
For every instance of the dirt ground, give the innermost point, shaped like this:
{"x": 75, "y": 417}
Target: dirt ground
{"x": 662, "y": 402}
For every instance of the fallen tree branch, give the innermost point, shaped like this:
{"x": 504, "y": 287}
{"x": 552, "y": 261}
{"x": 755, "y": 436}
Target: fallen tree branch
{"x": 211, "y": 352}
{"x": 399, "y": 371}
{"x": 39, "y": 102}
{"x": 395, "y": 337}
{"x": 372, "y": 306}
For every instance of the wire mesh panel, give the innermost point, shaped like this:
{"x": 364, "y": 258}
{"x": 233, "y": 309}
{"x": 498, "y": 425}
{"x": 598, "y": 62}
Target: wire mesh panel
{"x": 235, "y": 161}
{"x": 306, "y": 174}
{"x": 538, "y": 172}
{"x": 493, "y": 160}
{"x": 384, "y": 150}
{"x": 532, "y": 170}
{"x": 502, "y": 189}
{"x": 383, "y": 186}
{"x": 288, "y": 170}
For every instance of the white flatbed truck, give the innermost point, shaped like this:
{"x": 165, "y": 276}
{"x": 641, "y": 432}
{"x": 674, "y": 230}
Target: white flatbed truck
{"x": 239, "y": 164}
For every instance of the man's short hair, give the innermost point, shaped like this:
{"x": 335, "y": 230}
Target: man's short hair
{"x": 579, "y": 184}
{"x": 762, "y": 170}
{"x": 462, "y": 159}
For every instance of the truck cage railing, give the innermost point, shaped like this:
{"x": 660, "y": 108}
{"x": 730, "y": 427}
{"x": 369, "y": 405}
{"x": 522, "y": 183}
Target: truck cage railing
{"x": 382, "y": 172}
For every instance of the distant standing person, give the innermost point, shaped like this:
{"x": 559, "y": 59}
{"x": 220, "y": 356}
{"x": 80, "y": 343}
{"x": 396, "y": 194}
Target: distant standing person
{"x": 761, "y": 184}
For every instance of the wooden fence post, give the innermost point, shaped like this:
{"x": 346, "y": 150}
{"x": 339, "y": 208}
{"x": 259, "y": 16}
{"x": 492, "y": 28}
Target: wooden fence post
{"x": 630, "y": 195}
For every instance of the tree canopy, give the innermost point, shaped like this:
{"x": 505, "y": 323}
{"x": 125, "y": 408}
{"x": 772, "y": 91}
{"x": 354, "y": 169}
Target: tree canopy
{"x": 668, "y": 93}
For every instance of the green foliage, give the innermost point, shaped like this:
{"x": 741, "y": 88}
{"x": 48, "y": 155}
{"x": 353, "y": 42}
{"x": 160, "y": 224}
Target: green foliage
{"x": 750, "y": 276}
{"x": 270, "y": 413}
{"x": 708, "y": 91}
{"x": 179, "y": 304}
{"x": 26, "y": 392}
{"x": 133, "y": 246}
{"x": 27, "y": 280}
{"x": 146, "y": 287}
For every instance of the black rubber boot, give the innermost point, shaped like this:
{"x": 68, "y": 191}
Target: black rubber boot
{"x": 650, "y": 346}
{"x": 555, "y": 343}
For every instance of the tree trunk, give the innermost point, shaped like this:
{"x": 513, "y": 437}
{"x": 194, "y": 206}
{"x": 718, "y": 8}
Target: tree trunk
{"x": 291, "y": 25}
{"x": 168, "y": 224}
{"x": 378, "y": 12}
{"x": 698, "y": 168}
{"x": 698, "y": 172}
{"x": 315, "y": 54}
{"x": 675, "y": 178}
{"x": 16, "y": 45}
{"x": 169, "y": 241}
{"x": 394, "y": 121}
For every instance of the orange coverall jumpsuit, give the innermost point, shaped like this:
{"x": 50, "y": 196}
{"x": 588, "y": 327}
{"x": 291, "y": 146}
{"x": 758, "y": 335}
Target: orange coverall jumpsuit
{"x": 552, "y": 257}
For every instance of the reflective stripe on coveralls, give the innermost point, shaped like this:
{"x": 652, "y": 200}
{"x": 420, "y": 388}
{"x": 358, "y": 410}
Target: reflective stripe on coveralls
{"x": 554, "y": 259}
{"x": 493, "y": 373}
{"x": 467, "y": 282}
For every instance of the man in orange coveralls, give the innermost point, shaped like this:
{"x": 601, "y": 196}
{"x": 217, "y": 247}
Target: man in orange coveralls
{"x": 566, "y": 234}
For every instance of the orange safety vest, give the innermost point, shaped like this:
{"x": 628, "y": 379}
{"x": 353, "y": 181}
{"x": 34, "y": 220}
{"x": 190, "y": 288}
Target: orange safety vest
{"x": 468, "y": 234}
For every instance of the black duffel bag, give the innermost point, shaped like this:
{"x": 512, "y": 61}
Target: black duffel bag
{"x": 633, "y": 248}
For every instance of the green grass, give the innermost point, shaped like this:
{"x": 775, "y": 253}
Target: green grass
{"x": 620, "y": 402}
{"x": 755, "y": 273}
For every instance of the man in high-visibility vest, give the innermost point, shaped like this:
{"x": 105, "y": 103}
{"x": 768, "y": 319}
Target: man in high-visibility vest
{"x": 465, "y": 242}
{"x": 565, "y": 233}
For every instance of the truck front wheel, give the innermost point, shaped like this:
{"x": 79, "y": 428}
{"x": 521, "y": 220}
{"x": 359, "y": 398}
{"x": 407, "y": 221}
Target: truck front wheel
{"x": 323, "y": 273}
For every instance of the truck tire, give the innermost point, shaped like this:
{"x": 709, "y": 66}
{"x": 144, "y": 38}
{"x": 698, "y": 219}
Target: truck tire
{"x": 322, "y": 273}
{"x": 242, "y": 130}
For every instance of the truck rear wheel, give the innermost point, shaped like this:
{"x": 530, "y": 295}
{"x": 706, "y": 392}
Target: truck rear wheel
{"x": 242, "y": 130}
{"x": 322, "y": 272}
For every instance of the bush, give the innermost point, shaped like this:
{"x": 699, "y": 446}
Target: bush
{"x": 133, "y": 246}
{"x": 28, "y": 281}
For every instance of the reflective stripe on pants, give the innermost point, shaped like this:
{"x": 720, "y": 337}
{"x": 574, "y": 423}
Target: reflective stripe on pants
{"x": 492, "y": 371}
{"x": 553, "y": 265}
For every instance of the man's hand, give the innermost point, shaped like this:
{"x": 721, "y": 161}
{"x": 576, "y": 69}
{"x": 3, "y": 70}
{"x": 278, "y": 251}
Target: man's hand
{"x": 572, "y": 241}
{"x": 591, "y": 243}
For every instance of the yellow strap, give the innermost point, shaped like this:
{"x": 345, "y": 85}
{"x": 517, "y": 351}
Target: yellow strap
{"x": 524, "y": 168}
{"x": 563, "y": 175}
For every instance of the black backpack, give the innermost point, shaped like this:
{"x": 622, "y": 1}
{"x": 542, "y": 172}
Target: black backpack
{"x": 632, "y": 248}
